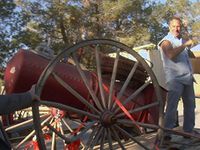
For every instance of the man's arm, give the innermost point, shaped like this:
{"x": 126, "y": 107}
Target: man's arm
{"x": 14, "y": 102}
{"x": 171, "y": 52}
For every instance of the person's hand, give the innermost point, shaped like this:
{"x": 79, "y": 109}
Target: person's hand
{"x": 33, "y": 94}
{"x": 189, "y": 43}
{"x": 195, "y": 40}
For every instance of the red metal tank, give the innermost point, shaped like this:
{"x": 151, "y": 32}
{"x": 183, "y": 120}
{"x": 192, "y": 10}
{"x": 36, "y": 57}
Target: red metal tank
{"x": 25, "y": 68}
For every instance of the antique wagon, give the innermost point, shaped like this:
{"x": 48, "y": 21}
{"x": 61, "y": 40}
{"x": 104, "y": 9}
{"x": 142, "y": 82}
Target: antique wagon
{"x": 100, "y": 93}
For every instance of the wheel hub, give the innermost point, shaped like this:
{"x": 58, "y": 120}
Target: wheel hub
{"x": 107, "y": 119}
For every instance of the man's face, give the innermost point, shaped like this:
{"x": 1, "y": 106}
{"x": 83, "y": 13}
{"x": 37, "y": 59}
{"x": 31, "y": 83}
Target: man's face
{"x": 175, "y": 27}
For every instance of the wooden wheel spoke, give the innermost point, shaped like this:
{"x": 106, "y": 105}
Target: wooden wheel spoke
{"x": 113, "y": 78}
{"x": 75, "y": 127}
{"x": 117, "y": 138}
{"x": 76, "y": 94}
{"x": 67, "y": 125}
{"x": 119, "y": 95}
{"x": 54, "y": 131}
{"x": 130, "y": 123}
{"x": 53, "y": 142}
{"x": 83, "y": 131}
{"x": 147, "y": 106}
{"x": 96, "y": 138}
{"x": 103, "y": 139}
{"x": 130, "y": 136}
{"x": 132, "y": 96}
{"x": 62, "y": 132}
{"x": 30, "y": 121}
{"x": 70, "y": 129}
{"x": 91, "y": 136}
{"x": 69, "y": 108}
{"x": 25, "y": 139}
{"x": 99, "y": 74}
{"x": 92, "y": 93}
{"x": 109, "y": 139}
{"x": 31, "y": 133}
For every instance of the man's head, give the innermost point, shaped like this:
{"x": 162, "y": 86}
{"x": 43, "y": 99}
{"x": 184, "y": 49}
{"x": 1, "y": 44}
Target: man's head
{"x": 175, "y": 26}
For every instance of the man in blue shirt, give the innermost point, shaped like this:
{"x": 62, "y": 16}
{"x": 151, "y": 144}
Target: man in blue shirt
{"x": 178, "y": 74}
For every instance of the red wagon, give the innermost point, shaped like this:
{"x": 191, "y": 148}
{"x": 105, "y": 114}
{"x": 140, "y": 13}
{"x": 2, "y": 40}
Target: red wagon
{"x": 102, "y": 94}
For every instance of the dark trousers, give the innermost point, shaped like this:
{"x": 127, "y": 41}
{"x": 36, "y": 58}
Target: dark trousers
{"x": 4, "y": 146}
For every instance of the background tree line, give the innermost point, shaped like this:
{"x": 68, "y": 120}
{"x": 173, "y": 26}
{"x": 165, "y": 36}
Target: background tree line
{"x": 27, "y": 23}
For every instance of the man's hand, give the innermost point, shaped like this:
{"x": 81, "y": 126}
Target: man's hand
{"x": 190, "y": 43}
{"x": 195, "y": 40}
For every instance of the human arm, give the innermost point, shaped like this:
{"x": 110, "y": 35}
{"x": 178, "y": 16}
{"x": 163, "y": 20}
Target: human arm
{"x": 14, "y": 102}
{"x": 171, "y": 52}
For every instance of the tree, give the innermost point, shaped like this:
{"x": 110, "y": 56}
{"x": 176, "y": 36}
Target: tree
{"x": 184, "y": 9}
{"x": 66, "y": 22}
{"x": 7, "y": 26}
{"x": 12, "y": 24}
{"x": 69, "y": 21}
{"x": 195, "y": 20}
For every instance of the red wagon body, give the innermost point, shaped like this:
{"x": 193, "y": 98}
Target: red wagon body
{"x": 25, "y": 68}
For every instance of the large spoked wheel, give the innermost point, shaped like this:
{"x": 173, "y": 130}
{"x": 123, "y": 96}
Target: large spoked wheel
{"x": 108, "y": 89}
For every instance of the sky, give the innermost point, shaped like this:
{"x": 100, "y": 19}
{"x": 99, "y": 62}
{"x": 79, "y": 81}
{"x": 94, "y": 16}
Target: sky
{"x": 163, "y": 1}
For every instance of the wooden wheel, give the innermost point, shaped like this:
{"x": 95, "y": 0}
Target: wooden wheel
{"x": 108, "y": 88}
{"x": 21, "y": 133}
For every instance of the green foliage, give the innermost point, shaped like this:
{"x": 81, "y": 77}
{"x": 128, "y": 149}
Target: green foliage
{"x": 6, "y": 9}
{"x": 27, "y": 23}
{"x": 128, "y": 20}
{"x": 11, "y": 24}
{"x": 195, "y": 21}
